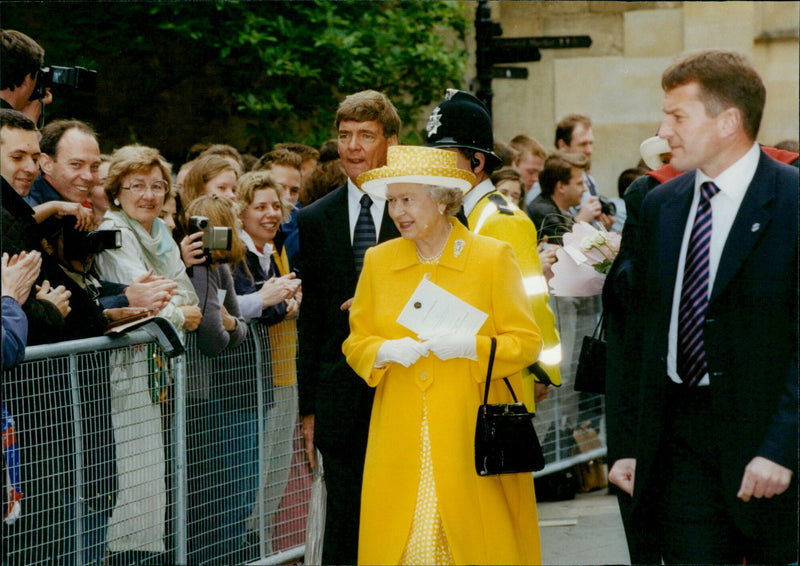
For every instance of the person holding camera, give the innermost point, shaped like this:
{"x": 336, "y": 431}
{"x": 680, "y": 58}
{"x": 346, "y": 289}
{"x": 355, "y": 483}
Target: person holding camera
{"x": 574, "y": 135}
{"x": 563, "y": 187}
{"x": 22, "y": 59}
{"x": 222, "y": 423}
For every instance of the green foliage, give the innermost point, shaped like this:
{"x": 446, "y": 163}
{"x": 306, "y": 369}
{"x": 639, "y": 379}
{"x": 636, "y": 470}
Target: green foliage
{"x": 288, "y": 64}
{"x": 171, "y": 74}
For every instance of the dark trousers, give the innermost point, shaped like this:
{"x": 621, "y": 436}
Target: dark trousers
{"x": 693, "y": 518}
{"x": 343, "y": 474}
{"x": 642, "y": 542}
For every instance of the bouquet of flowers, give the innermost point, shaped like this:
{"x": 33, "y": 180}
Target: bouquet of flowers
{"x": 583, "y": 261}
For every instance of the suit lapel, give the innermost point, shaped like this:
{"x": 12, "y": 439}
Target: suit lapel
{"x": 388, "y": 229}
{"x": 338, "y": 227}
{"x": 671, "y": 225}
{"x": 749, "y": 225}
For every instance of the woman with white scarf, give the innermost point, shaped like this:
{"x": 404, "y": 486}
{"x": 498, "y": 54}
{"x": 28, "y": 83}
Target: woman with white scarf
{"x": 137, "y": 184}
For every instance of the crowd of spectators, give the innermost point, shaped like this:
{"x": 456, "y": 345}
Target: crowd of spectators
{"x": 90, "y": 239}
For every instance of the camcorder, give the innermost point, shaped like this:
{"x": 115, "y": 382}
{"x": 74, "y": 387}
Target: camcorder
{"x": 214, "y": 237}
{"x": 607, "y": 207}
{"x": 78, "y": 78}
{"x": 79, "y": 244}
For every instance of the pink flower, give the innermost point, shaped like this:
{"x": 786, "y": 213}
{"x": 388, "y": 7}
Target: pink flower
{"x": 583, "y": 261}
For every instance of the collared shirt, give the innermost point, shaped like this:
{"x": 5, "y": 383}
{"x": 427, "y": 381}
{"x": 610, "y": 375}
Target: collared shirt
{"x": 732, "y": 183}
{"x": 475, "y": 194}
{"x": 532, "y": 193}
{"x": 41, "y": 192}
{"x": 354, "y": 195}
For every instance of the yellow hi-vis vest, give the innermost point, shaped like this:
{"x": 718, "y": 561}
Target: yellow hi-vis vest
{"x": 496, "y": 217}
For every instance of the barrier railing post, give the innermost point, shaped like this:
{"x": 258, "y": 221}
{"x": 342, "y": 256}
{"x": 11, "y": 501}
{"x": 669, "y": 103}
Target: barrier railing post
{"x": 180, "y": 460}
{"x": 260, "y": 396}
{"x": 77, "y": 504}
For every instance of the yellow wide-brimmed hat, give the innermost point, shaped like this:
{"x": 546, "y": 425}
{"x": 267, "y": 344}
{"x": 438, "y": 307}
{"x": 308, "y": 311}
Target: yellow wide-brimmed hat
{"x": 416, "y": 164}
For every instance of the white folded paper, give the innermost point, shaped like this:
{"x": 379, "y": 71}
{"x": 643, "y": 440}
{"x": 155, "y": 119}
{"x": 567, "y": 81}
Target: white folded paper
{"x": 432, "y": 311}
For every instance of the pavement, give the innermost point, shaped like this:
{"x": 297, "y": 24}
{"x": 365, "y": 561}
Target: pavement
{"x": 584, "y": 530}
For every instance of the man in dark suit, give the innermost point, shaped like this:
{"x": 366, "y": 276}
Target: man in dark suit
{"x": 334, "y": 402}
{"x": 712, "y": 385}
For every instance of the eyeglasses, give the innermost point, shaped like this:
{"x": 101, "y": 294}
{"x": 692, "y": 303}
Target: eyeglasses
{"x": 138, "y": 188}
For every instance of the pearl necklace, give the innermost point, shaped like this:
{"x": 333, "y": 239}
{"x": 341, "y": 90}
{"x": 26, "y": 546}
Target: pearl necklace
{"x": 434, "y": 259}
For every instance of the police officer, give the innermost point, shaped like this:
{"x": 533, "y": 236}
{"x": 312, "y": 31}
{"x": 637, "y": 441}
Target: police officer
{"x": 462, "y": 124}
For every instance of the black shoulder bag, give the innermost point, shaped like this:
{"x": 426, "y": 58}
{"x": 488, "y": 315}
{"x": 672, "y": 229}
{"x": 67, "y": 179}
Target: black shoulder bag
{"x": 590, "y": 377}
{"x": 505, "y": 440}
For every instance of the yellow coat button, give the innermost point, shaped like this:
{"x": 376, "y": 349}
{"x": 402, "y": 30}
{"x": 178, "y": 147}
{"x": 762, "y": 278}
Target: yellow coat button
{"x": 423, "y": 376}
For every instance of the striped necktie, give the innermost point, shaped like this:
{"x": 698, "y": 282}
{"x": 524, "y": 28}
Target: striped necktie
{"x": 364, "y": 236}
{"x": 694, "y": 294}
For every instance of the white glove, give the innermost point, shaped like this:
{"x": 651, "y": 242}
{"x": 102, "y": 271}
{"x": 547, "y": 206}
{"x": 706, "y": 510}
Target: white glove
{"x": 404, "y": 351}
{"x": 449, "y": 346}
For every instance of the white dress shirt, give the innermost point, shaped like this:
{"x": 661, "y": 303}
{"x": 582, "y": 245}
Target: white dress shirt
{"x": 354, "y": 195}
{"x": 732, "y": 183}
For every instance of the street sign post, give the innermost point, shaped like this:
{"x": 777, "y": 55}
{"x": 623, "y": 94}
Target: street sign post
{"x": 492, "y": 50}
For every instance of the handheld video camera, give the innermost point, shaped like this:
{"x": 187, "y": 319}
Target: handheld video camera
{"x": 214, "y": 237}
{"x": 79, "y": 244}
{"x": 78, "y": 78}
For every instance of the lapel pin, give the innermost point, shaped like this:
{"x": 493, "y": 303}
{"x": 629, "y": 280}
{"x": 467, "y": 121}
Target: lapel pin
{"x": 755, "y": 227}
{"x": 458, "y": 247}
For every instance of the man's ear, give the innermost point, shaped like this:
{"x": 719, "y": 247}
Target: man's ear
{"x": 729, "y": 121}
{"x": 478, "y": 162}
{"x": 46, "y": 163}
{"x": 561, "y": 145}
{"x": 392, "y": 140}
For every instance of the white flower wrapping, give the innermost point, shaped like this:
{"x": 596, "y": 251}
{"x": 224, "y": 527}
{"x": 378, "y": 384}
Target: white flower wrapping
{"x": 583, "y": 261}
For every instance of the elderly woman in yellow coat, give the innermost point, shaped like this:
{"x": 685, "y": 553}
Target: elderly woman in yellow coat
{"x": 422, "y": 501}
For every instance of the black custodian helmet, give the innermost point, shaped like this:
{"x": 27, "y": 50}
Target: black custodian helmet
{"x": 463, "y": 121}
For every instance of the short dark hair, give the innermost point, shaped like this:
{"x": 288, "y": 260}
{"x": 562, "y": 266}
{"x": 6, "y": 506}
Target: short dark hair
{"x": 17, "y": 120}
{"x": 370, "y": 105}
{"x": 54, "y": 131}
{"x": 279, "y": 157}
{"x": 21, "y": 56}
{"x": 329, "y": 151}
{"x": 558, "y": 167}
{"x": 726, "y": 79}
{"x": 788, "y": 145}
{"x": 567, "y": 125}
{"x": 505, "y": 174}
{"x": 304, "y": 151}
{"x": 224, "y": 150}
{"x": 627, "y": 177}
{"x": 523, "y": 144}
{"x": 505, "y": 152}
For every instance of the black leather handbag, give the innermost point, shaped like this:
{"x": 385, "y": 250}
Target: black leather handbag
{"x": 590, "y": 377}
{"x": 505, "y": 440}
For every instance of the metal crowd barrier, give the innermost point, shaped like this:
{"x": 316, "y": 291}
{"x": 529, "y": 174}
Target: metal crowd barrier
{"x": 566, "y": 410}
{"x": 127, "y": 456}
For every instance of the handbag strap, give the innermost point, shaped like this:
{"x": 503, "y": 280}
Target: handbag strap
{"x": 489, "y": 375}
{"x": 600, "y": 329}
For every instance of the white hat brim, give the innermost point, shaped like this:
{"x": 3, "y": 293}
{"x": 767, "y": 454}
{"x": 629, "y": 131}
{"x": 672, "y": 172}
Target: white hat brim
{"x": 651, "y": 151}
{"x": 377, "y": 187}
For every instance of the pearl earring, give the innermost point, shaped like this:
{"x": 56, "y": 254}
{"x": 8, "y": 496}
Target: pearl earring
{"x": 116, "y": 202}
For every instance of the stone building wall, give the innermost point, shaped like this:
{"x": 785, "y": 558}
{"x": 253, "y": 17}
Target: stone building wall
{"x": 617, "y": 81}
